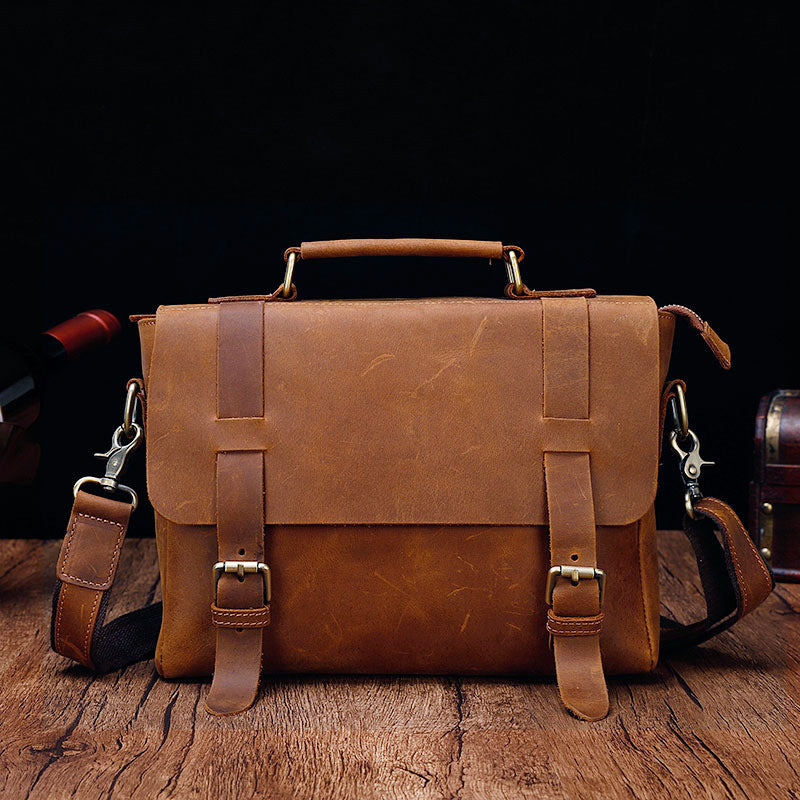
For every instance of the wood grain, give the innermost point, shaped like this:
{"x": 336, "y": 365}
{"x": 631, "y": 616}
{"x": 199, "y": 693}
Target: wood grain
{"x": 720, "y": 721}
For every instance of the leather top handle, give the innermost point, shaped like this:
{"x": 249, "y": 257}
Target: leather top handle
{"x": 431, "y": 248}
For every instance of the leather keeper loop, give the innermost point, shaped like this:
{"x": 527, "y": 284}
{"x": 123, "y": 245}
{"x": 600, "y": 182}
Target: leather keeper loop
{"x": 240, "y": 617}
{"x": 573, "y": 626}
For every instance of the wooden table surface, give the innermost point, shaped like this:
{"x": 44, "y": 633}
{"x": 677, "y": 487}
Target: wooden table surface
{"x": 720, "y": 721}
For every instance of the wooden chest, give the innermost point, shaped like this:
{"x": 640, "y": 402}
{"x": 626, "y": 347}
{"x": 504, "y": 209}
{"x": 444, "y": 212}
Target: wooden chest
{"x": 775, "y": 490}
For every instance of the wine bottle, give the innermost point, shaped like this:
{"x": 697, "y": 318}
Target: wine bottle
{"x": 23, "y": 367}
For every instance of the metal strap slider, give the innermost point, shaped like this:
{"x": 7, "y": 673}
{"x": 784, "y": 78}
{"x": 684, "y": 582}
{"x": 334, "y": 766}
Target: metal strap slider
{"x": 575, "y": 574}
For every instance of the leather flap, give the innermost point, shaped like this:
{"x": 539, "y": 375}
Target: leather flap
{"x": 404, "y": 412}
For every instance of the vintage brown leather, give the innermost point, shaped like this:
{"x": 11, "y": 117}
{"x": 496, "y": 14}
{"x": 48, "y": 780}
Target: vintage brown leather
{"x": 443, "y": 248}
{"x": 412, "y": 472}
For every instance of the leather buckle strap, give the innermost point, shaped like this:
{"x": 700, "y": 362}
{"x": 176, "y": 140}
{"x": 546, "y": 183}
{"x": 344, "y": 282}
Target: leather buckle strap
{"x": 242, "y": 585}
{"x": 570, "y": 508}
{"x": 241, "y": 588}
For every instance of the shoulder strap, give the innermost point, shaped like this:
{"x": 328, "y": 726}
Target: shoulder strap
{"x": 733, "y": 575}
{"x": 87, "y": 566}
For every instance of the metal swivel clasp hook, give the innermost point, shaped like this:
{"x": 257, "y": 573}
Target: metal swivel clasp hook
{"x": 117, "y": 455}
{"x": 691, "y": 463}
{"x": 125, "y": 441}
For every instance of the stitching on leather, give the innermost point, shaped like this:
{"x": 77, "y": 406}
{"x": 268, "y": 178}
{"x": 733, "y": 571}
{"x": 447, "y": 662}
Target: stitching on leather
{"x": 165, "y": 592}
{"x": 747, "y": 540}
{"x": 569, "y": 623}
{"x": 619, "y": 302}
{"x": 573, "y": 631}
{"x": 241, "y": 624}
{"x": 429, "y": 302}
{"x": 738, "y": 568}
{"x": 542, "y": 371}
{"x": 171, "y": 309}
{"x": 692, "y": 314}
{"x": 574, "y": 627}
{"x": 592, "y": 623}
{"x": 259, "y": 612}
{"x": 91, "y": 584}
{"x": 641, "y": 592}
{"x": 89, "y": 626}
{"x": 260, "y": 617}
{"x": 61, "y": 601}
{"x": 216, "y": 382}
{"x": 588, "y": 362}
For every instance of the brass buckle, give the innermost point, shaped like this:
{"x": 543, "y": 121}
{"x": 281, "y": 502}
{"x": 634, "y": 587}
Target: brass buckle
{"x": 575, "y": 574}
{"x": 240, "y": 569}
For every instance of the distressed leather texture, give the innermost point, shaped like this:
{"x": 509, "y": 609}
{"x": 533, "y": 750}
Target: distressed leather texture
{"x": 406, "y": 412}
{"x": 405, "y": 502}
{"x": 464, "y": 600}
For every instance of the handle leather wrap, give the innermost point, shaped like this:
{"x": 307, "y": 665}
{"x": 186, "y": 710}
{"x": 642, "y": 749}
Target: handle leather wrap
{"x": 432, "y": 248}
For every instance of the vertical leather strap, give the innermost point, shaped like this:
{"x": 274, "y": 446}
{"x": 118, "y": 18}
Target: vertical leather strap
{"x": 240, "y": 611}
{"x": 565, "y": 356}
{"x": 240, "y": 360}
{"x": 575, "y": 619}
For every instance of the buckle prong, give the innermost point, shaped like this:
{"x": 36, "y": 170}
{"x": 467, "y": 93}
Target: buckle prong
{"x": 575, "y": 574}
{"x": 240, "y": 569}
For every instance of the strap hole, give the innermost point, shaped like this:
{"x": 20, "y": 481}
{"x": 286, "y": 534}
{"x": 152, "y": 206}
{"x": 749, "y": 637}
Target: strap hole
{"x": 574, "y": 556}
{"x": 239, "y": 630}
{"x": 241, "y": 551}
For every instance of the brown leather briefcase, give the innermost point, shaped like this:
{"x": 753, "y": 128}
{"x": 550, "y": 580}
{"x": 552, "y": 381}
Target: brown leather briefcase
{"x": 457, "y": 485}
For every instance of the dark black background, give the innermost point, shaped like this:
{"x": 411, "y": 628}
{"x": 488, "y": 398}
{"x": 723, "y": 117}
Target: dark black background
{"x": 166, "y": 154}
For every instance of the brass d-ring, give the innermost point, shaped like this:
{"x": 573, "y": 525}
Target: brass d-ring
{"x": 680, "y": 411}
{"x": 287, "y": 278}
{"x": 131, "y": 398}
{"x": 512, "y": 270}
